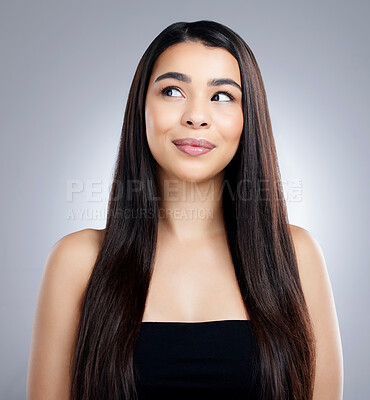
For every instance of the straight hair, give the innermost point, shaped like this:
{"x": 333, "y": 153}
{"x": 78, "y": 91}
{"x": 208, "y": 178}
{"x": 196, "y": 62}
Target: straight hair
{"x": 258, "y": 235}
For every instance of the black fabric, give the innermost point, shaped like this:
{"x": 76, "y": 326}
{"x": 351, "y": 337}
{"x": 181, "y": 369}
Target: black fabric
{"x": 197, "y": 360}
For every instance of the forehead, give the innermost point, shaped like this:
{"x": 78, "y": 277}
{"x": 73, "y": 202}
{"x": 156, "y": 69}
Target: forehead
{"x": 198, "y": 61}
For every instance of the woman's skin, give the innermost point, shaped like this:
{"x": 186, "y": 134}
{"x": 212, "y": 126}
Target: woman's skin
{"x": 193, "y": 278}
{"x": 194, "y": 110}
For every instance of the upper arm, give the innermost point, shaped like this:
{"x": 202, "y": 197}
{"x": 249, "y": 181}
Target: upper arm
{"x": 66, "y": 272}
{"x": 320, "y": 302}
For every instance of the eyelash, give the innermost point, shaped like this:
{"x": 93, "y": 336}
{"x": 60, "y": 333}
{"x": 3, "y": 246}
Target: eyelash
{"x": 163, "y": 91}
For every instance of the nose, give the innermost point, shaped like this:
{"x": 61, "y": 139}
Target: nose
{"x": 196, "y": 115}
{"x": 196, "y": 123}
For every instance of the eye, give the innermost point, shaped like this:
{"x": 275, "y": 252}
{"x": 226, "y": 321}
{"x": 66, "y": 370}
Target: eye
{"x": 225, "y": 93}
{"x": 169, "y": 89}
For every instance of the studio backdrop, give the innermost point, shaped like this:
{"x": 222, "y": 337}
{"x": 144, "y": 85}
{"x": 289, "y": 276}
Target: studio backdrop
{"x": 66, "y": 68}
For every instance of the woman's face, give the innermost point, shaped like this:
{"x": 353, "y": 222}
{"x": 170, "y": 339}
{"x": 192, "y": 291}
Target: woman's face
{"x": 189, "y": 105}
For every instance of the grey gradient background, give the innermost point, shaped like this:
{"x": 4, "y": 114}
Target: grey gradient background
{"x": 66, "y": 68}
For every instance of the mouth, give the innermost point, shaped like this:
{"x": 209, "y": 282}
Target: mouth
{"x": 193, "y": 147}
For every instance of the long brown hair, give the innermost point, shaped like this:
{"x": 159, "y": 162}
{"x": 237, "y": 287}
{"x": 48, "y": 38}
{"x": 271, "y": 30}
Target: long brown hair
{"x": 257, "y": 229}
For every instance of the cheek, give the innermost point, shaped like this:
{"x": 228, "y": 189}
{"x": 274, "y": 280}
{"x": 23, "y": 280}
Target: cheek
{"x": 158, "y": 119}
{"x": 231, "y": 125}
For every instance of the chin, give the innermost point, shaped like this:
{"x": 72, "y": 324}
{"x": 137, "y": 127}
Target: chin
{"x": 194, "y": 176}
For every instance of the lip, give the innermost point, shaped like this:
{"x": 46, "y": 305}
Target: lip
{"x": 193, "y": 147}
{"x": 194, "y": 142}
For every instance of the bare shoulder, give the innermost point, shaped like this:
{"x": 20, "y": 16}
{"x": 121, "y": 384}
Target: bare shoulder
{"x": 320, "y": 302}
{"x": 89, "y": 240}
{"x": 66, "y": 272}
{"x": 308, "y": 251}
{"x": 312, "y": 269}
{"x": 74, "y": 255}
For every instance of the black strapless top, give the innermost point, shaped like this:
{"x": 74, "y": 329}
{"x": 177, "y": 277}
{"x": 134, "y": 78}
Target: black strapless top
{"x": 197, "y": 360}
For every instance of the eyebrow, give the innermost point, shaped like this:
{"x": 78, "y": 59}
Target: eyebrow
{"x": 185, "y": 78}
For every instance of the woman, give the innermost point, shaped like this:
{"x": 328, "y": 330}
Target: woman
{"x": 198, "y": 285}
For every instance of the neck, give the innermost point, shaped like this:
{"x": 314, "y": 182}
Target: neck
{"x": 191, "y": 210}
